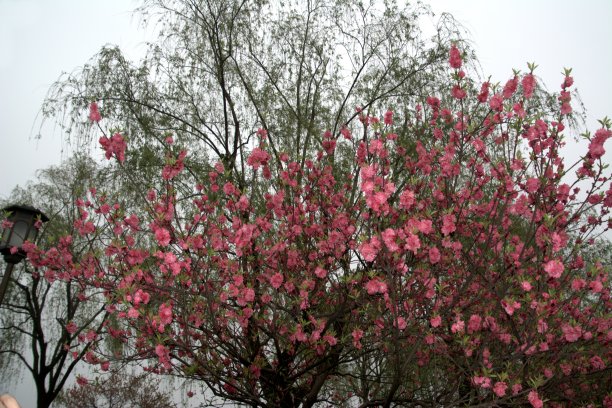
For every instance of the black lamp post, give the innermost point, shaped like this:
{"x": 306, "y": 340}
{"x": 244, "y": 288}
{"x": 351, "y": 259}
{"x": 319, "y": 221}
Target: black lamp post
{"x": 22, "y": 219}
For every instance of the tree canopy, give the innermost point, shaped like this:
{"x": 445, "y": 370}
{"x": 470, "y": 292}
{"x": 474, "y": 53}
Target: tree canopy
{"x": 318, "y": 206}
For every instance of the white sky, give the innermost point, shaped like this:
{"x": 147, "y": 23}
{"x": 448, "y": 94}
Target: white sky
{"x": 40, "y": 39}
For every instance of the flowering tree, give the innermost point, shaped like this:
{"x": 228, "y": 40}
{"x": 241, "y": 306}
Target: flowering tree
{"x": 446, "y": 264}
{"x": 49, "y": 320}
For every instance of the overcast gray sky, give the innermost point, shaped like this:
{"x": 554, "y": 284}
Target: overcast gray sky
{"x": 39, "y": 39}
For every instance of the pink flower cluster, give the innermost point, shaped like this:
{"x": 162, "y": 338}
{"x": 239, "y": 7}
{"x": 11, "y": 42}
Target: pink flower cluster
{"x": 116, "y": 146}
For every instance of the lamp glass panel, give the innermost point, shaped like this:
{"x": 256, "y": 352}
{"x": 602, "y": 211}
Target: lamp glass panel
{"x": 5, "y": 236}
{"x": 20, "y": 230}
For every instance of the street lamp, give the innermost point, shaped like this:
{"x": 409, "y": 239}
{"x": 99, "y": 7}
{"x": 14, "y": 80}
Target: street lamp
{"x": 22, "y": 221}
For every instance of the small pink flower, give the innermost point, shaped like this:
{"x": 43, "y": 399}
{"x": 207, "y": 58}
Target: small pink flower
{"x": 496, "y": 102}
{"x": 567, "y": 82}
{"x": 320, "y": 272}
{"x": 528, "y": 83}
{"x": 534, "y": 399}
{"x": 571, "y": 333}
{"x": 375, "y": 286}
{"x": 82, "y": 381}
{"x": 388, "y": 118}
{"x": 94, "y": 114}
{"x": 370, "y": 249}
{"x": 162, "y": 236}
{"x": 554, "y": 268}
{"x": 595, "y": 286}
{"x": 165, "y": 313}
{"x": 454, "y": 58}
{"x": 458, "y": 326}
{"x": 510, "y": 88}
{"x": 475, "y": 323}
{"x": 257, "y": 158}
{"x": 596, "y": 149}
{"x": 434, "y": 255}
{"x": 277, "y": 280}
{"x": 71, "y": 328}
{"x": 407, "y": 199}
{"x": 448, "y": 224}
{"x": 500, "y": 388}
{"x": 458, "y": 92}
{"x": 532, "y": 185}
{"x": 435, "y": 321}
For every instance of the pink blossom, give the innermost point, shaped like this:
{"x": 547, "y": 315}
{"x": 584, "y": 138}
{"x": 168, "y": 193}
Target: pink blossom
{"x": 425, "y": 226}
{"x": 401, "y": 323}
{"x": 542, "y": 326}
{"x": 257, "y": 158}
{"x": 597, "y": 363}
{"x": 596, "y": 149}
{"x": 500, "y": 388}
{"x": 434, "y": 255}
{"x": 375, "y": 286}
{"x": 94, "y": 114}
{"x": 484, "y": 92}
{"x": 534, "y": 399}
{"x": 346, "y": 133}
{"x": 510, "y": 88}
{"x": 165, "y": 313}
{"x": 249, "y": 294}
{"x": 567, "y": 82}
{"x": 458, "y": 326}
{"x": 528, "y": 83}
{"x": 496, "y": 103}
{"x": 482, "y": 382}
{"x": 448, "y": 224}
{"x": 116, "y": 145}
{"x": 389, "y": 236}
{"x": 435, "y": 321}
{"x": 162, "y": 236}
{"x": 595, "y": 286}
{"x": 370, "y": 249}
{"x": 320, "y": 272}
{"x": 458, "y": 92}
{"x": 554, "y": 268}
{"x": 277, "y": 280}
{"x": 407, "y": 199}
{"x": 474, "y": 324}
{"x": 510, "y": 306}
{"x": 532, "y": 185}
{"x": 578, "y": 284}
{"x": 571, "y": 333}
{"x": 413, "y": 243}
{"x": 388, "y": 118}
{"x": 454, "y": 58}
{"x": 71, "y": 328}
{"x": 163, "y": 354}
{"x": 174, "y": 167}
{"x": 82, "y": 381}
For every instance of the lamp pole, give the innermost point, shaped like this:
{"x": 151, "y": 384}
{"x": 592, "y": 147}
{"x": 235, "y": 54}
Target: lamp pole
{"x": 5, "y": 280}
{"x": 20, "y": 226}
